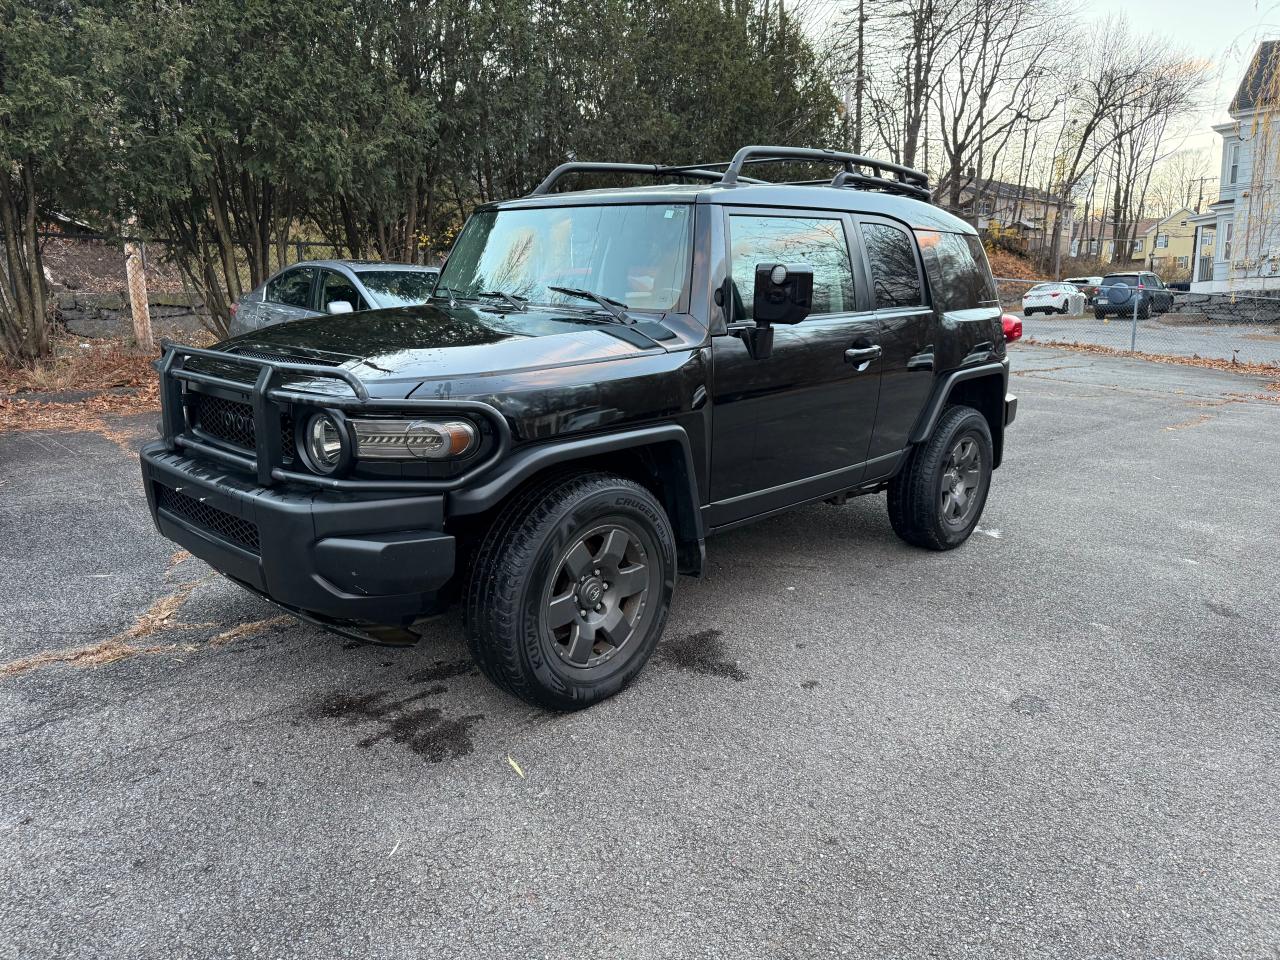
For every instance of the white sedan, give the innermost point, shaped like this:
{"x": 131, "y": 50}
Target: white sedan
{"x": 1053, "y": 298}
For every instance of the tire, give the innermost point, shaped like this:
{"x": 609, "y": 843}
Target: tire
{"x": 1099, "y": 314}
{"x": 531, "y": 580}
{"x": 923, "y": 494}
{"x": 1144, "y": 310}
{"x": 1064, "y": 310}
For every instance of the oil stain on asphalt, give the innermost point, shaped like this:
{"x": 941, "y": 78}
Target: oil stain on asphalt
{"x": 701, "y": 653}
{"x": 408, "y": 719}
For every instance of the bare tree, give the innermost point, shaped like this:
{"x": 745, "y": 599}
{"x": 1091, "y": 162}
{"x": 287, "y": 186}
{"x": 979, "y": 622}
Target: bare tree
{"x": 997, "y": 56}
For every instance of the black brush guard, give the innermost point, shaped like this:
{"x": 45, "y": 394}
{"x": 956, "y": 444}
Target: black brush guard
{"x": 271, "y": 401}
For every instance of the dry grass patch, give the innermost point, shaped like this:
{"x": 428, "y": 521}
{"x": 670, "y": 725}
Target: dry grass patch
{"x": 157, "y": 617}
{"x": 251, "y": 629}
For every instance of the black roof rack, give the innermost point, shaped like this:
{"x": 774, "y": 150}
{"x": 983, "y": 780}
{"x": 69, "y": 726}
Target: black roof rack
{"x": 883, "y": 175}
{"x": 904, "y": 180}
{"x": 692, "y": 172}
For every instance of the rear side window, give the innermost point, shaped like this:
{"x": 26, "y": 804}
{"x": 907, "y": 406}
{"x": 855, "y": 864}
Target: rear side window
{"x": 815, "y": 242}
{"x": 292, "y": 288}
{"x": 894, "y": 274}
{"x": 958, "y": 273}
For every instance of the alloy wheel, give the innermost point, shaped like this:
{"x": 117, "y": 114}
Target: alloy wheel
{"x": 960, "y": 481}
{"x": 597, "y": 596}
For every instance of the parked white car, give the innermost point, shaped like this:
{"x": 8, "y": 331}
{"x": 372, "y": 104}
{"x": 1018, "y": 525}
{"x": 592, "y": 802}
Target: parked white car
{"x": 1053, "y": 298}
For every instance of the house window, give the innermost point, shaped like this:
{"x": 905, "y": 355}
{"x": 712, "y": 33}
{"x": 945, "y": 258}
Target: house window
{"x": 1139, "y": 245}
{"x": 1093, "y": 245}
{"x": 1234, "y": 170}
{"x": 1183, "y": 223}
{"x": 1162, "y": 240}
{"x": 1226, "y": 241}
{"x": 1182, "y": 261}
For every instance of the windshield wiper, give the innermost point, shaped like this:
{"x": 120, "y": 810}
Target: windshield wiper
{"x": 615, "y": 308}
{"x": 517, "y": 303}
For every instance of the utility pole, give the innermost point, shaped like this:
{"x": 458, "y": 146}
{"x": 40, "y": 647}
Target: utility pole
{"x": 1201, "y": 181}
{"x": 859, "y": 84}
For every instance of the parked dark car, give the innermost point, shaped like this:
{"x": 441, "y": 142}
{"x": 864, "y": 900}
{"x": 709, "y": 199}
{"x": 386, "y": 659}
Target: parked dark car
{"x": 602, "y": 380}
{"x": 1120, "y": 292}
{"x": 315, "y": 288}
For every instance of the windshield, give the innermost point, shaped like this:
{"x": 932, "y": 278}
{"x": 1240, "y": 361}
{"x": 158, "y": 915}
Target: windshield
{"x": 637, "y": 254}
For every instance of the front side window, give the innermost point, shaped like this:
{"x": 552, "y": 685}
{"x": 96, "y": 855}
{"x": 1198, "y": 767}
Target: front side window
{"x": 292, "y": 288}
{"x": 811, "y": 241}
{"x": 959, "y": 276}
{"x": 335, "y": 287}
{"x": 399, "y": 288}
{"x": 895, "y": 276}
{"x": 638, "y": 254}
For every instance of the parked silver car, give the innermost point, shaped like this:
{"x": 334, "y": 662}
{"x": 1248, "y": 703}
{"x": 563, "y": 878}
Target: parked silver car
{"x": 317, "y": 287}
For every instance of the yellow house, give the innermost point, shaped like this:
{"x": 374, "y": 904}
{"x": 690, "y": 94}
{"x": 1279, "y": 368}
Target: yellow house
{"x": 1169, "y": 249}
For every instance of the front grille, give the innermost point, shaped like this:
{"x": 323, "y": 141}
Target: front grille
{"x": 232, "y": 422}
{"x": 226, "y": 525}
{"x": 227, "y": 420}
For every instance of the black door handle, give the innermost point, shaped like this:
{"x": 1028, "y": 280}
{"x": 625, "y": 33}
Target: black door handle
{"x": 861, "y": 357}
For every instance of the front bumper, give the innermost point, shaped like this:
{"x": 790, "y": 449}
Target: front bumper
{"x": 380, "y": 558}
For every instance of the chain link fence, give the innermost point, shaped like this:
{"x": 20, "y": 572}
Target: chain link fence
{"x": 1226, "y": 327}
{"x": 110, "y": 287}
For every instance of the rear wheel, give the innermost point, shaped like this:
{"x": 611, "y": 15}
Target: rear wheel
{"x": 1099, "y": 314}
{"x": 1144, "y": 310}
{"x": 570, "y": 590}
{"x": 937, "y": 498}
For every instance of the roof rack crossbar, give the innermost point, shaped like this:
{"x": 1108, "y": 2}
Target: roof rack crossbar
{"x": 692, "y": 172}
{"x": 892, "y": 177}
{"x": 846, "y": 178}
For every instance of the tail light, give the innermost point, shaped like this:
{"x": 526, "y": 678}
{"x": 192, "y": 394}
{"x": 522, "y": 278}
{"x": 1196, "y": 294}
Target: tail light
{"x": 1054, "y": 294}
{"x": 1012, "y": 328}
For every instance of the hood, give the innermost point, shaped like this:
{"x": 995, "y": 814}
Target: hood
{"x": 430, "y": 340}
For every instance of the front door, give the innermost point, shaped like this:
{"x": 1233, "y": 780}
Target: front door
{"x": 796, "y": 425}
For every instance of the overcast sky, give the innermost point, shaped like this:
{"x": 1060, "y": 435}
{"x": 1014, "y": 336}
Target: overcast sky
{"x": 1224, "y": 32}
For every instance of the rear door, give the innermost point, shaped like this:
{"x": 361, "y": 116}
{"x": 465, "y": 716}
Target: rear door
{"x": 797, "y": 424}
{"x": 908, "y": 327}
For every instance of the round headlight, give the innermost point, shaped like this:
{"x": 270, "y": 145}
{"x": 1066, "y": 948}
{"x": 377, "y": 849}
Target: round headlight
{"x": 325, "y": 442}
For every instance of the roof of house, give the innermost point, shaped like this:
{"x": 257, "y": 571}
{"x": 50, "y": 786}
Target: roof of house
{"x": 1260, "y": 85}
{"x": 1093, "y": 230}
{"x": 1002, "y": 188}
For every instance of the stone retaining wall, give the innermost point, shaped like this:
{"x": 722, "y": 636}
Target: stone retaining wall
{"x": 108, "y": 314}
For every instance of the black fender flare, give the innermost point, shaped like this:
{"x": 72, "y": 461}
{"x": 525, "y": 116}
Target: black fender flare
{"x": 943, "y": 390}
{"x": 680, "y": 483}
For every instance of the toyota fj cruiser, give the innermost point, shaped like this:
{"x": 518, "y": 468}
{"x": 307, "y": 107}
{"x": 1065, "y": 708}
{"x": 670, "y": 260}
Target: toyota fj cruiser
{"x": 603, "y": 379}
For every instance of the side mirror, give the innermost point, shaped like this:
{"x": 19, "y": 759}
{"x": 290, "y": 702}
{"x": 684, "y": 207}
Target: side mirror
{"x": 340, "y": 306}
{"x": 783, "y": 294}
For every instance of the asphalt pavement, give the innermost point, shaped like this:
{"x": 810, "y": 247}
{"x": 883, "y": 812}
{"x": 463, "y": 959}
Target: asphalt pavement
{"x": 1174, "y": 334}
{"x": 1059, "y": 741}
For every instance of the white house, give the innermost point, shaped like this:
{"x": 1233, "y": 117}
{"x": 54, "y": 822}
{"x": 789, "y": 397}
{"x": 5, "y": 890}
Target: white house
{"x": 1245, "y": 221}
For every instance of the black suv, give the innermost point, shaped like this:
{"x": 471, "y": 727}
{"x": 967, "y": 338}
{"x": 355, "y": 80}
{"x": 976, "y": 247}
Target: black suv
{"x": 1119, "y": 293}
{"x": 603, "y": 379}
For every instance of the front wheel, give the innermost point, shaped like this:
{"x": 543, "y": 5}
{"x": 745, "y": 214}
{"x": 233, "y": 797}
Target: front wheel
{"x": 570, "y": 590}
{"x": 936, "y": 500}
